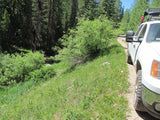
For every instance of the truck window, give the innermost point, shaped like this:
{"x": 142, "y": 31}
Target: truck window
{"x": 154, "y": 32}
{"x": 143, "y": 32}
{"x": 138, "y": 30}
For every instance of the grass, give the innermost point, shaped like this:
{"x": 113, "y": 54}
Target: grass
{"x": 94, "y": 90}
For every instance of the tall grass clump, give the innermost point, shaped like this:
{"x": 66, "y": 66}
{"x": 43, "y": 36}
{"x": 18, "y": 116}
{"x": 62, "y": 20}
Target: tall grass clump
{"x": 87, "y": 40}
{"x": 14, "y": 68}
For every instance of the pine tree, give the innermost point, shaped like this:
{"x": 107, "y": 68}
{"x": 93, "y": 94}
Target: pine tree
{"x": 11, "y": 22}
{"x": 37, "y": 24}
{"x": 27, "y": 26}
{"x": 155, "y": 4}
{"x": 73, "y": 18}
{"x": 136, "y": 14}
{"x": 90, "y": 10}
{"x": 118, "y": 13}
{"x": 125, "y": 21}
{"x": 109, "y": 8}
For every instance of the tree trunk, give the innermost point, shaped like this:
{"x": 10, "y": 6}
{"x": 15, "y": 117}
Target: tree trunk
{"x": 73, "y": 18}
{"x": 51, "y": 25}
{"x": 28, "y": 36}
{"x": 37, "y": 24}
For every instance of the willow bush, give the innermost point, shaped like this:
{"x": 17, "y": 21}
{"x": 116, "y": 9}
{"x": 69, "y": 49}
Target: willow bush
{"x": 87, "y": 40}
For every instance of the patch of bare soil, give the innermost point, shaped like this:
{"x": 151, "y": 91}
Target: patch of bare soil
{"x": 132, "y": 114}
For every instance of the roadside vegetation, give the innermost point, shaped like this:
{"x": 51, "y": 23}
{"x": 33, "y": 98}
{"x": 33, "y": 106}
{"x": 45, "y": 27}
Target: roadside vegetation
{"x": 93, "y": 90}
{"x": 88, "y": 40}
{"x": 20, "y": 72}
{"x": 18, "y": 68}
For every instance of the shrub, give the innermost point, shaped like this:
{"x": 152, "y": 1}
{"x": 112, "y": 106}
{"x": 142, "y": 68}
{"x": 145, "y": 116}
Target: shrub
{"x": 41, "y": 74}
{"x": 15, "y": 67}
{"x": 89, "y": 38}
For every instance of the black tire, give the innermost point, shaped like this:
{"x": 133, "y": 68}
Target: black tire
{"x": 129, "y": 61}
{"x": 138, "y": 105}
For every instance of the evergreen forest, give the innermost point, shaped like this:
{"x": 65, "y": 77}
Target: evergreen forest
{"x": 38, "y": 24}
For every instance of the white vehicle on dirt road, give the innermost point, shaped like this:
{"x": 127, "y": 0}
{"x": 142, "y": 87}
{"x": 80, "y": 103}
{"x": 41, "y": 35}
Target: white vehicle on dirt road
{"x": 144, "y": 54}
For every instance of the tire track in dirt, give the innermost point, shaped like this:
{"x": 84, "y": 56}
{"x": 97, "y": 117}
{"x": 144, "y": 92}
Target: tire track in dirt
{"x": 132, "y": 114}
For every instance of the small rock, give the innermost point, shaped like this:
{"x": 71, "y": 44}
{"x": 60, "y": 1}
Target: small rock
{"x": 106, "y": 63}
{"x": 47, "y": 65}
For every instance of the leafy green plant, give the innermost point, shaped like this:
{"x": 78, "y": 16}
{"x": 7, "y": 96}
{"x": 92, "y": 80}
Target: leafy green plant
{"x": 87, "y": 40}
{"x": 41, "y": 74}
{"x": 15, "y": 67}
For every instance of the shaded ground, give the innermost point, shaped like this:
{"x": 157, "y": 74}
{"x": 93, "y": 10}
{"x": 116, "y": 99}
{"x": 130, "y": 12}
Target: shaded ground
{"x": 132, "y": 114}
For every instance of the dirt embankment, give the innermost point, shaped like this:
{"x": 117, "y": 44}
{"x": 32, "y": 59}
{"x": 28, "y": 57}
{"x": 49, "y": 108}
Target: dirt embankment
{"x": 132, "y": 114}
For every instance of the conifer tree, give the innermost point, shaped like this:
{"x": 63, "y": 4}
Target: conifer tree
{"x": 73, "y": 18}
{"x": 155, "y": 4}
{"x": 112, "y": 9}
{"x": 136, "y": 14}
{"x": 118, "y": 13}
{"x": 38, "y": 24}
{"x": 27, "y": 25}
{"x": 125, "y": 21}
{"x": 109, "y": 8}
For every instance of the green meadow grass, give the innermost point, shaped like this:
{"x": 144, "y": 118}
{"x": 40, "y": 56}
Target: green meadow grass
{"x": 93, "y": 90}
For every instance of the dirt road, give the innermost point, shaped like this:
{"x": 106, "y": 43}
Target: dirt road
{"x": 132, "y": 114}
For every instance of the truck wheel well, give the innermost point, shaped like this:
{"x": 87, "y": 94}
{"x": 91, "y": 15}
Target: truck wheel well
{"x": 138, "y": 66}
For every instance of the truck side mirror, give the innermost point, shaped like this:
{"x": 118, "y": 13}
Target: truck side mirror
{"x": 129, "y": 36}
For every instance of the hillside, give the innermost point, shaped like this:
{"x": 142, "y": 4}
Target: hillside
{"x": 93, "y": 90}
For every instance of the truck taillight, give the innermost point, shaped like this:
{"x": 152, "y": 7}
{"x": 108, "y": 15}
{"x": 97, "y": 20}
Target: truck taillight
{"x": 155, "y": 69}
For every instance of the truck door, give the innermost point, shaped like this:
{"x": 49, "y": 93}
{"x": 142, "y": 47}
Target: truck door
{"x": 140, "y": 39}
{"x": 137, "y": 39}
{"x": 133, "y": 45}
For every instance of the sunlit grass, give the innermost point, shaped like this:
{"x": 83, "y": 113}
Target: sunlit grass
{"x": 93, "y": 90}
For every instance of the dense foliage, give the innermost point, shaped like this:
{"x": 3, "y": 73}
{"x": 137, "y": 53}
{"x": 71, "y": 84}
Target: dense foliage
{"x": 14, "y": 68}
{"x": 89, "y": 39}
{"x": 125, "y": 21}
{"x": 42, "y": 74}
{"x": 155, "y": 4}
{"x": 30, "y": 25}
{"x": 38, "y": 25}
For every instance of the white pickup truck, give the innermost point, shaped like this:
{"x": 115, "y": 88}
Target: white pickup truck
{"x": 144, "y": 54}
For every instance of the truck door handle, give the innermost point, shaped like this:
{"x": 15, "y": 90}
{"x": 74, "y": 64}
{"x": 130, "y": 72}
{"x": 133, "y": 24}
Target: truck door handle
{"x": 134, "y": 46}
